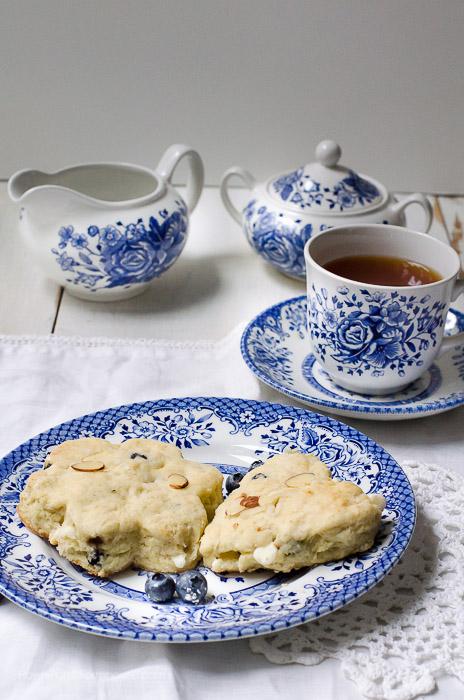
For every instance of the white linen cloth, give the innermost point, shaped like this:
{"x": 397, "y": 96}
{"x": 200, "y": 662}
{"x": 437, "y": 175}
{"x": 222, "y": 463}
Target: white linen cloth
{"x": 45, "y": 381}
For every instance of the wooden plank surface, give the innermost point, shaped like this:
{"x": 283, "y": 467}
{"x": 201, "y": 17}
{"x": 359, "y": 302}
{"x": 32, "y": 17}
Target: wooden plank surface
{"x": 29, "y": 301}
{"x": 217, "y": 283}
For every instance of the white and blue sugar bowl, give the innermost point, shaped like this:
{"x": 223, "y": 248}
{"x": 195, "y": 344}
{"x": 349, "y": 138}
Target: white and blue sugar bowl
{"x": 283, "y": 212}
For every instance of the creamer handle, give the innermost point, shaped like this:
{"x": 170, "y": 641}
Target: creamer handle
{"x": 169, "y": 162}
{"x": 417, "y": 198}
{"x": 458, "y": 339}
{"x": 249, "y": 180}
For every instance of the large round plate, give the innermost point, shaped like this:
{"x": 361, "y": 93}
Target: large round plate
{"x": 276, "y": 348}
{"x": 230, "y": 433}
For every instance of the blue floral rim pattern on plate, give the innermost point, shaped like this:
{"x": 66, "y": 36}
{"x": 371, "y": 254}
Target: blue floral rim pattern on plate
{"x": 230, "y": 433}
{"x": 275, "y": 346}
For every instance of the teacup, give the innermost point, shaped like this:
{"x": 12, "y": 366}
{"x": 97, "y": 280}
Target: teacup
{"x": 373, "y": 338}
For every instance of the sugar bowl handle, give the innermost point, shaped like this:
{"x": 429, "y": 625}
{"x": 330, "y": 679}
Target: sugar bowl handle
{"x": 169, "y": 162}
{"x": 249, "y": 181}
{"x": 417, "y": 198}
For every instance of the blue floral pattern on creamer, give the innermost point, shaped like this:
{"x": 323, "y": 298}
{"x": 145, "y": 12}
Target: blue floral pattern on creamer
{"x": 299, "y": 188}
{"x": 373, "y": 332}
{"x": 122, "y": 254}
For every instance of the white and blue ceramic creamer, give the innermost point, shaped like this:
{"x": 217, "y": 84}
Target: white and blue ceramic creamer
{"x": 286, "y": 210}
{"x": 106, "y": 230}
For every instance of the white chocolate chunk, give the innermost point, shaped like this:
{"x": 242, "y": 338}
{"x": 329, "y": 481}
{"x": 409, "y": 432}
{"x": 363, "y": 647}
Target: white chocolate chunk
{"x": 265, "y": 555}
{"x": 179, "y": 560}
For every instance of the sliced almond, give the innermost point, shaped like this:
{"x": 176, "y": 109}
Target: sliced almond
{"x": 250, "y": 501}
{"x": 177, "y": 481}
{"x": 269, "y": 499}
{"x": 89, "y": 466}
{"x": 299, "y": 480}
{"x": 234, "y": 507}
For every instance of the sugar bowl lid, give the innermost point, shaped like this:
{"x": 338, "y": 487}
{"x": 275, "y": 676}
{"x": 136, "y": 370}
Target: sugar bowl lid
{"x": 325, "y": 187}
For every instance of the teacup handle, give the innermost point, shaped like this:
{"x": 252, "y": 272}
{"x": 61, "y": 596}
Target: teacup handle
{"x": 450, "y": 341}
{"x": 417, "y": 198}
{"x": 169, "y": 162}
{"x": 249, "y": 180}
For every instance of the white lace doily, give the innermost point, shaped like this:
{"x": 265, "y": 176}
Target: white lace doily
{"x": 394, "y": 641}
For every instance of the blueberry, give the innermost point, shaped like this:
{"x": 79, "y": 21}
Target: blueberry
{"x": 259, "y": 475}
{"x": 160, "y": 587}
{"x": 191, "y": 587}
{"x": 233, "y": 481}
{"x": 137, "y": 454}
{"x": 256, "y": 463}
{"x": 94, "y": 558}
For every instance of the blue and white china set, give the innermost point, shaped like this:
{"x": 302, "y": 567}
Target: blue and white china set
{"x": 105, "y": 231}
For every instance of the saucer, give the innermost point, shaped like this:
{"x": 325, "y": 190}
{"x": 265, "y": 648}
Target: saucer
{"x": 275, "y": 346}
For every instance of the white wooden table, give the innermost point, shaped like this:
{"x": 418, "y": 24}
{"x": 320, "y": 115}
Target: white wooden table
{"x": 218, "y": 283}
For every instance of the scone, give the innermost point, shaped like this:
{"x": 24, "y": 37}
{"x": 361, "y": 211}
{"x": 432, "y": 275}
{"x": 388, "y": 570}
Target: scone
{"x": 108, "y": 506}
{"x": 287, "y": 514}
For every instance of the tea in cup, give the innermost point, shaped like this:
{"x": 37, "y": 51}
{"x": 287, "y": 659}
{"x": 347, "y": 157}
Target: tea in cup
{"x": 378, "y": 296}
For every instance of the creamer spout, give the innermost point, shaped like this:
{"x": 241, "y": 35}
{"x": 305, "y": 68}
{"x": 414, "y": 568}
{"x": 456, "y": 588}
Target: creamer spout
{"x": 22, "y": 182}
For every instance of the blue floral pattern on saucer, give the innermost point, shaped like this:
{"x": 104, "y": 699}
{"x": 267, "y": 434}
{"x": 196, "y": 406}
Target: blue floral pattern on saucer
{"x": 230, "y": 433}
{"x": 275, "y": 346}
{"x": 122, "y": 254}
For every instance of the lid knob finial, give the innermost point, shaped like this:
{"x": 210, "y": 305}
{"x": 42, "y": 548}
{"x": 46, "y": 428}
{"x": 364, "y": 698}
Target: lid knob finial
{"x": 328, "y": 153}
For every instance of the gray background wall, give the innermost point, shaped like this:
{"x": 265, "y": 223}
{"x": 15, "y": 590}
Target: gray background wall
{"x": 250, "y": 82}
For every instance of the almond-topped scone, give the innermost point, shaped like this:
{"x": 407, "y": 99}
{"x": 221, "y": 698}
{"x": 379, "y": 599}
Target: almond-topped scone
{"x": 108, "y": 506}
{"x": 287, "y": 514}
